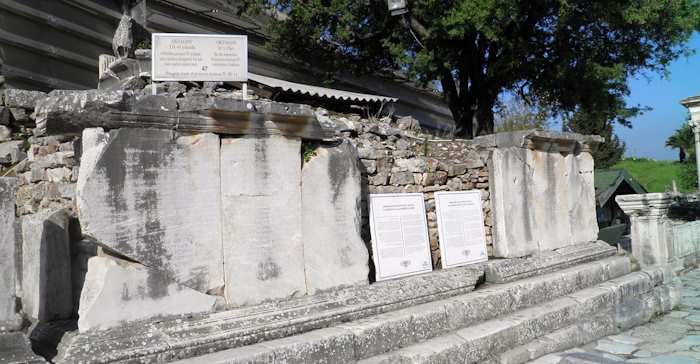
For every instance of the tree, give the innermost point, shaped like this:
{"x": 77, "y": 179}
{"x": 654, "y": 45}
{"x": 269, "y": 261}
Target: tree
{"x": 682, "y": 139}
{"x": 518, "y": 114}
{"x": 689, "y": 173}
{"x": 564, "y": 54}
{"x": 612, "y": 149}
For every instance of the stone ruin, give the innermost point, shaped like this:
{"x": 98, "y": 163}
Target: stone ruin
{"x": 200, "y": 221}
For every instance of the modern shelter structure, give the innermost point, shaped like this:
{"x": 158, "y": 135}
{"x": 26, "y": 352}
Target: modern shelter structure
{"x": 54, "y": 44}
{"x": 612, "y": 221}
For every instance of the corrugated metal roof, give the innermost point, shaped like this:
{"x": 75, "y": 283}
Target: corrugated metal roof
{"x": 318, "y": 91}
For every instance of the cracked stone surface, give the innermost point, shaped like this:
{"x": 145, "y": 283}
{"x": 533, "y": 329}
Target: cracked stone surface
{"x": 670, "y": 339}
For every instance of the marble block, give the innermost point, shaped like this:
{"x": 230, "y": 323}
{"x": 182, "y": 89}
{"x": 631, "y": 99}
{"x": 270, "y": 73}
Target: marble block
{"x": 543, "y": 197}
{"x": 117, "y": 292}
{"x": 153, "y": 196}
{"x": 261, "y": 210}
{"x": 46, "y": 268}
{"x": 334, "y": 253}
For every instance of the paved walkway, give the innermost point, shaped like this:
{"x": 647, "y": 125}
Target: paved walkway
{"x": 670, "y": 339}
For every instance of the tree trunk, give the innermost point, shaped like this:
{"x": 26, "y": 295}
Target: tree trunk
{"x": 464, "y": 125}
{"x": 484, "y": 115}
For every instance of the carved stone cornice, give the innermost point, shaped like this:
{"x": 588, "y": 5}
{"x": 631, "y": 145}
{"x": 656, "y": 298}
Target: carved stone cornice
{"x": 648, "y": 204}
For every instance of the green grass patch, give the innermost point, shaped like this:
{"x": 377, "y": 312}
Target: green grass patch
{"x": 655, "y": 176}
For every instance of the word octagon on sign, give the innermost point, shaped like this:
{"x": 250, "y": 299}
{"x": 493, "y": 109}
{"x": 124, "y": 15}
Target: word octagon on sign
{"x": 199, "y": 57}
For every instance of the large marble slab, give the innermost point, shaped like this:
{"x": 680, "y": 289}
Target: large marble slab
{"x": 543, "y": 197}
{"x": 334, "y": 253}
{"x": 153, "y": 196}
{"x": 261, "y": 210}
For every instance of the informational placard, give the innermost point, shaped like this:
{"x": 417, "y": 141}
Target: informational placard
{"x": 199, "y": 57}
{"x": 399, "y": 235}
{"x": 460, "y": 227}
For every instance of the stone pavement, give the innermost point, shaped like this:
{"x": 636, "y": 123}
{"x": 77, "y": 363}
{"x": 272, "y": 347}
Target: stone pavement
{"x": 673, "y": 338}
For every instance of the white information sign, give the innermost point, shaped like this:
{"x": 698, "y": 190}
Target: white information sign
{"x": 199, "y": 57}
{"x": 399, "y": 235}
{"x": 460, "y": 227}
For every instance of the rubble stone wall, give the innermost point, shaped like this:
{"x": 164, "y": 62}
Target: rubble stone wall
{"x": 397, "y": 158}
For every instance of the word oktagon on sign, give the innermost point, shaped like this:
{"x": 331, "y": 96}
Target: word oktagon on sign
{"x": 199, "y": 57}
{"x": 460, "y": 227}
{"x": 399, "y": 235}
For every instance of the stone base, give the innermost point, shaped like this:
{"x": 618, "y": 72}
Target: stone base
{"x": 163, "y": 341}
{"x": 473, "y": 328}
{"x": 359, "y": 323}
{"x": 117, "y": 292}
{"x": 15, "y": 349}
{"x": 507, "y": 270}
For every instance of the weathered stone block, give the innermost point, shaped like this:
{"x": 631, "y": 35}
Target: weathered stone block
{"x": 11, "y": 152}
{"x": 401, "y": 178}
{"x": 46, "y": 271}
{"x": 411, "y": 165}
{"x": 9, "y": 320}
{"x": 5, "y": 133}
{"x": 261, "y": 204}
{"x": 334, "y": 252}
{"x": 25, "y": 99}
{"x": 370, "y": 166}
{"x": 155, "y": 197}
{"x": 542, "y": 199}
{"x": 116, "y": 292}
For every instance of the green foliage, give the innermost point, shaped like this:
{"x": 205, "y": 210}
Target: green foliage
{"x": 689, "y": 173}
{"x": 609, "y": 152}
{"x": 683, "y": 139}
{"x": 426, "y": 147}
{"x": 560, "y": 53}
{"x": 518, "y": 114}
{"x": 144, "y": 44}
{"x": 308, "y": 150}
{"x": 655, "y": 176}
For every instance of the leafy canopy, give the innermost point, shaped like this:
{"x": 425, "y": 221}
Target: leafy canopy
{"x": 568, "y": 55}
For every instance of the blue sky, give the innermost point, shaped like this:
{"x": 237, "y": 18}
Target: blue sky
{"x": 649, "y": 131}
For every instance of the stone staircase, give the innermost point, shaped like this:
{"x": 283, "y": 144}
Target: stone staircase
{"x": 499, "y": 323}
{"x": 439, "y": 319}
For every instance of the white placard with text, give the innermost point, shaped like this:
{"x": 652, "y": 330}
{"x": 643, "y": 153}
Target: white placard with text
{"x": 399, "y": 231}
{"x": 199, "y": 57}
{"x": 461, "y": 231}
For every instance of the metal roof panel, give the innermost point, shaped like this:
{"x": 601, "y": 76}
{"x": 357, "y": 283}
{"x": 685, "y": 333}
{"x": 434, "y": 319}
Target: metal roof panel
{"x": 318, "y": 91}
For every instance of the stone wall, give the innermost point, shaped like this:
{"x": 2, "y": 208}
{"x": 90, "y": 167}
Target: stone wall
{"x": 397, "y": 158}
{"x": 46, "y": 170}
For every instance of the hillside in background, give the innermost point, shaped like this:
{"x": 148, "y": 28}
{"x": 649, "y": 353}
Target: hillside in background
{"x": 654, "y": 175}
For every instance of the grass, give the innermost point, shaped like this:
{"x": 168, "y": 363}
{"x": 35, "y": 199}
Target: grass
{"x": 655, "y": 176}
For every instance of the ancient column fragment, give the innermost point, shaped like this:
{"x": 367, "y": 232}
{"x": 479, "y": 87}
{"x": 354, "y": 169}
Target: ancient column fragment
{"x": 117, "y": 292}
{"x": 8, "y": 317}
{"x": 261, "y": 209}
{"x": 46, "y": 272}
{"x": 153, "y": 196}
{"x": 334, "y": 252}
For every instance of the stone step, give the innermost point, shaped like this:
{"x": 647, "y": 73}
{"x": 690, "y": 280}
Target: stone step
{"x": 15, "y": 348}
{"x": 508, "y": 270}
{"x": 378, "y": 334}
{"x": 556, "y": 325}
{"x": 185, "y": 336}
